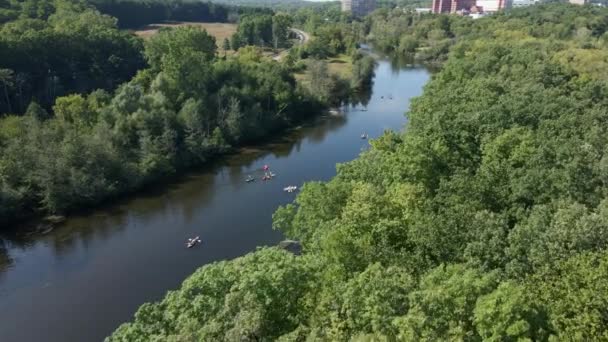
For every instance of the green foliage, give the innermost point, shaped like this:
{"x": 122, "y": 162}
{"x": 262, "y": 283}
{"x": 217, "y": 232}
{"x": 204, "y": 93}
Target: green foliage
{"x": 363, "y": 72}
{"x": 255, "y": 30}
{"x": 267, "y": 291}
{"x": 155, "y": 11}
{"x": 62, "y": 47}
{"x": 510, "y": 314}
{"x": 175, "y": 45}
{"x": 265, "y": 30}
{"x": 366, "y": 303}
{"x": 575, "y": 294}
{"x": 442, "y": 307}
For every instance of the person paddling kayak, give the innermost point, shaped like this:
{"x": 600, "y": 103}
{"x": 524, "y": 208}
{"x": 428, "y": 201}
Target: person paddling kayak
{"x": 193, "y": 241}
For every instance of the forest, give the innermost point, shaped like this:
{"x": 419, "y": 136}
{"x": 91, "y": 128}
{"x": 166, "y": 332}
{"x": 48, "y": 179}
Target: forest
{"x": 486, "y": 219}
{"x": 54, "y": 48}
{"x": 155, "y": 11}
{"x": 90, "y": 112}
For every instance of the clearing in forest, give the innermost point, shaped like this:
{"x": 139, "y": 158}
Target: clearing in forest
{"x": 218, "y": 30}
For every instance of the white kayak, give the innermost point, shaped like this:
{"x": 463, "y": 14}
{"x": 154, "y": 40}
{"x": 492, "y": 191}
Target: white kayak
{"x": 193, "y": 242}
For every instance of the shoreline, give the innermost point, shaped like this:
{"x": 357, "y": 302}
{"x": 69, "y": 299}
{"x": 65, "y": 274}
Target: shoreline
{"x": 39, "y": 224}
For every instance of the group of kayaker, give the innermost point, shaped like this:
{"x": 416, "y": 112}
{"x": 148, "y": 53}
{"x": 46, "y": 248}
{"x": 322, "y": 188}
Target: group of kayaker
{"x": 267, "y": 175}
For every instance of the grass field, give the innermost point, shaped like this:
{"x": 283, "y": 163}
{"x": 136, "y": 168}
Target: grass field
{"x": 340, "y": 65}
{"x": 218, "y": 30}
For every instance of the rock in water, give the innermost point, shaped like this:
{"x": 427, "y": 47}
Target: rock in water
{"x": 291, "y": 246}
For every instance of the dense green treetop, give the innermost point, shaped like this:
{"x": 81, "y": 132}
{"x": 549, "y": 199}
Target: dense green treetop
{"x": 54, "y": 48}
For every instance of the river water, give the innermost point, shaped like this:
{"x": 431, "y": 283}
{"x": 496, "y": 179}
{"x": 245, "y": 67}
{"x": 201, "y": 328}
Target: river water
{"x": 80, "y": 281}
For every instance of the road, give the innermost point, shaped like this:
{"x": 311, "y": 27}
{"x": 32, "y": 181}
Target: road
{"x": 303, "y": 37}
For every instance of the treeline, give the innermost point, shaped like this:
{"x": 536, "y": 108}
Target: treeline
{"x": 53, "y": 48}
{"x": 428, "y": 38}
{"x": 185, "y": 108}
{"x": 486, "y": 220}
{"x": 155, "y": 11}
{"x": 264, "y": 30}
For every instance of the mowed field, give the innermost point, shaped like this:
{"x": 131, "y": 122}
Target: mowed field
{"x": 218, "y": 30}
{"x": 341, "y": 65}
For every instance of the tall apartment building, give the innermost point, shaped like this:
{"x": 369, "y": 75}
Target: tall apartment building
{"x": 358, "y": 8}
{"x": 441, "y": 6}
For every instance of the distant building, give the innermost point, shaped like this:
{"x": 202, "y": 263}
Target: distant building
{"x": 464, "y": 6}
{"x": 578, "y": 2}
{"x": 459, "y": 6}
{"x": 358, "y": 8}
{"x": 441, "y": 6}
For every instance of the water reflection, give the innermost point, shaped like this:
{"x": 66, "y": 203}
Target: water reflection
{"x": 5, "y": 259}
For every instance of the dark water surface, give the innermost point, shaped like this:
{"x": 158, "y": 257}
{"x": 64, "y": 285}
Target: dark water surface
{"x": 80, "y": 281}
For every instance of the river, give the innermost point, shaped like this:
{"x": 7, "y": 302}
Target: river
{"x": 80, "y": 281}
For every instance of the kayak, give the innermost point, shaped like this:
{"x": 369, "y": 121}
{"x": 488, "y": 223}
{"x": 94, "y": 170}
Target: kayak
{"x": 193, "y": 242}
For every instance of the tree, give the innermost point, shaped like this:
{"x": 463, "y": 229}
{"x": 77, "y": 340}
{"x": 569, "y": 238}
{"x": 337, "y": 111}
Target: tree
{"x": 280, "y": 29}
{"x": 226, "y": 45}
{"x": 510, "y": 314}
{"x": 34, "y": 110}
{"x": 169, "y": 46}
{"x": 234, "y": 119}
{"x": 6, "y": 77}
{"x": 266, "y": 300}
{"x": 74, "y": 109}
{"x": 443, "y": 306}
